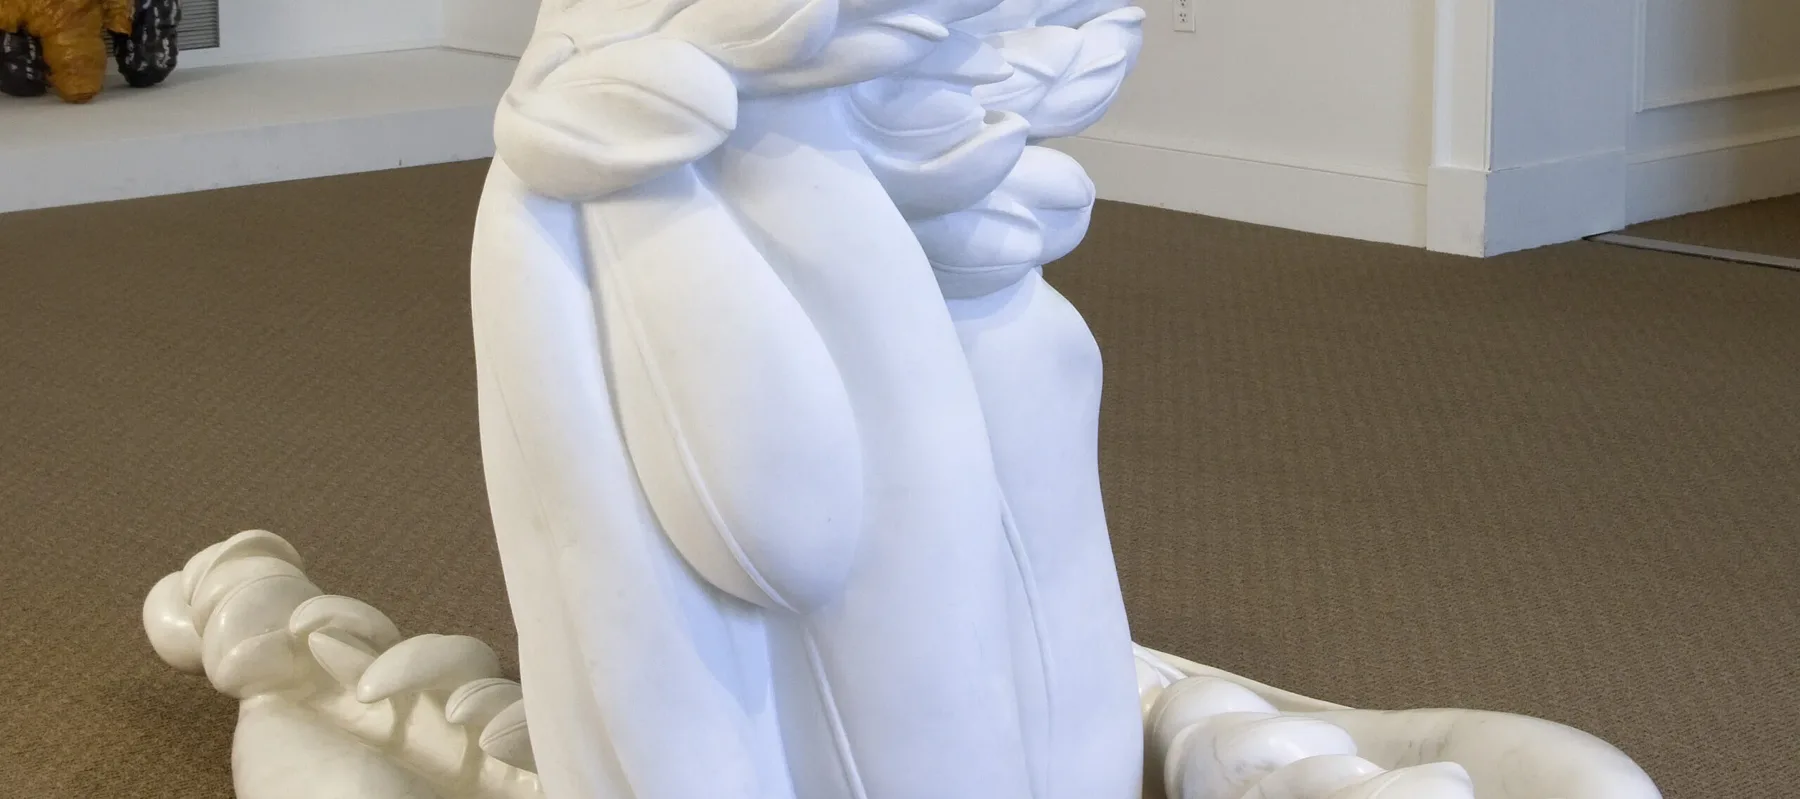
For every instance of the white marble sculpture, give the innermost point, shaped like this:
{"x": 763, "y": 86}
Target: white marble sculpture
{"x": 791, "y": 457}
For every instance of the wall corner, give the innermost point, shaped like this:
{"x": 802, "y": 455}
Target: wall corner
{"x": 1456, "y": 201}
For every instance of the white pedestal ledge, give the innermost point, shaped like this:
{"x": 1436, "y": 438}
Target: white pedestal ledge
{"x": 216, "y": 127}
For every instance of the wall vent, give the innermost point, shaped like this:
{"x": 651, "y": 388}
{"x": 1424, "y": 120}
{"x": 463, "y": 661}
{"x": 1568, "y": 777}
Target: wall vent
{"x": 199, "y": 28}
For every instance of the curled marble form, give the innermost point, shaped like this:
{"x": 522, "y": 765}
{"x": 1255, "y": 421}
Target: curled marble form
{"x": 949, "y": 136}
{"x": 1214, "y": 735}
{"x": 335, "y": 703}
{"x": 774, "y": 523}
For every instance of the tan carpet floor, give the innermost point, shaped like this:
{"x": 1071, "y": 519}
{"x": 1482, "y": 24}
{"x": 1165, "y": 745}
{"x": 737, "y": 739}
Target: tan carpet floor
{"x": 1563, "y": 483}
{"x": 1766, "y": 227}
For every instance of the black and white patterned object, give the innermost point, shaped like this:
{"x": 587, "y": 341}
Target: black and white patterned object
{"x": 22, "y": 69}
{"x": 147, "y": 56}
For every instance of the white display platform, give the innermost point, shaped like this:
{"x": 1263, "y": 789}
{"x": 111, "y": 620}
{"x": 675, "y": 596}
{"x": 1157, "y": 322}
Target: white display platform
{"x": 215, "y": 127}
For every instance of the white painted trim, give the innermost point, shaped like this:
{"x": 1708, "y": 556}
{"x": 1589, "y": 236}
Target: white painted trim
{"x": 1713, "y": 175}
{"x": 1726, "y": 91}
{"x": 1462, "y": 104}
{"x": 1456, "y": 211}
{"x": 1713, "y": 145}
{"x": 1480, "y": 214}
{"x": 1553, "y": 202}
{"x": 1463, "y": 85}
{"x": 1214, "y": 149}
{"x": 1300, "y": 198}
{"x": 1640, "y": 45}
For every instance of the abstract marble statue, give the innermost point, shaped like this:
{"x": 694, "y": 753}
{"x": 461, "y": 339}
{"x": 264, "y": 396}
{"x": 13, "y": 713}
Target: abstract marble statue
{"x": 791, "y": 457}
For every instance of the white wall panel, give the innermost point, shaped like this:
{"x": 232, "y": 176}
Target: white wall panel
{"x": 1697, "y": 50}
{"x": 1718, "y": 101}
{"x": 273, "y": 30}
{"x": 489, "y": 26}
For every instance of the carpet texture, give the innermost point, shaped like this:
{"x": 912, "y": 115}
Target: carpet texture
{"x": 1560, "y": 483}
{"x": 1767, "y": 227}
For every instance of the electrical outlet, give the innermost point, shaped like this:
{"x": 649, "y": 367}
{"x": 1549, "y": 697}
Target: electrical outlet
{"x": 1184, "y": 16}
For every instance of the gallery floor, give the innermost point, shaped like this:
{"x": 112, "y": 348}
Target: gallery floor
{"x": 1770, "y": 227}
{"x": 1560, "y": 483}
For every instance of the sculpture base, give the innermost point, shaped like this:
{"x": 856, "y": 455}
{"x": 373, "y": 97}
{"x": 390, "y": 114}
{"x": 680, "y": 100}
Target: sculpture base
{"x": 336, "y": 705}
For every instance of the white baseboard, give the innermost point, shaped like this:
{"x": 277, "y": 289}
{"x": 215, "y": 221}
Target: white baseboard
{"x": 1713, "y": 176}
{"x": 1556, "y": 201}
{"x": 1300, "y": 198}
{"x": 252, "y": 123}
{"x": 1481, "y": 213}
{"x": 1456, "y": 206}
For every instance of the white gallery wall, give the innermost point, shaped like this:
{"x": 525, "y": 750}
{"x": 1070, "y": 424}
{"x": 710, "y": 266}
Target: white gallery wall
{"x": 1468, "y": 126}
{"x": 252, "y": 31}
{"x": 489, "y": 26}
{"x": 1309, "y": 114}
